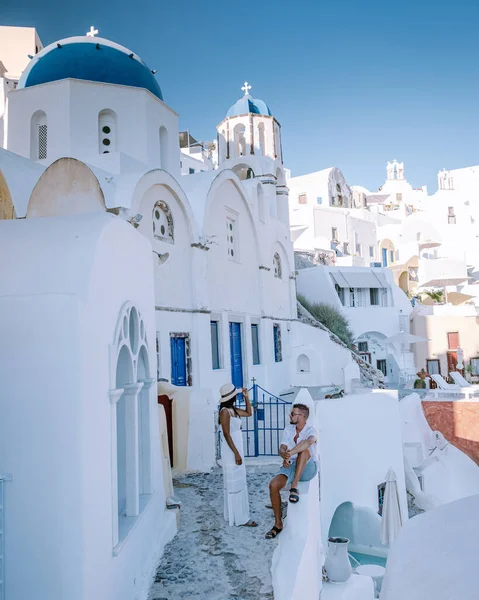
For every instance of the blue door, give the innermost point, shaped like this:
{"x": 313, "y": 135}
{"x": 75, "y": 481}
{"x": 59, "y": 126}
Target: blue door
{"x": 385, "y": 257}
{"x": 236, "y": 355}
{"x": 178, "y": 360}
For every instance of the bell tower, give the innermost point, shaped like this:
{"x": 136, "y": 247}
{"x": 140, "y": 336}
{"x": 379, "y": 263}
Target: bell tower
{"x": 249, "y": 129}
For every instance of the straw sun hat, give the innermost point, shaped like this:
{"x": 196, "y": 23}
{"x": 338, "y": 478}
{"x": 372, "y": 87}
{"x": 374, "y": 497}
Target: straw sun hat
{"x": 227, "y": 391}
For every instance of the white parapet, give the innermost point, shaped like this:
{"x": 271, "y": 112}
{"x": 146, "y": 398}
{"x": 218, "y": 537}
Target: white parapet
{"x": 358, "y": 587}
{"x": 298, "y": 559}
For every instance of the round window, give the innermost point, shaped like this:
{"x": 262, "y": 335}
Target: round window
{"x": 106, "y": 129}
{"x": 106, "y": 142}
{"x": 157, "y": 214}
{"x": 162, "y": 229}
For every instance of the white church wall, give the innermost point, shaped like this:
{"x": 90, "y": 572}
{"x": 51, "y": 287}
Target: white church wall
{"x": 67, "y": 187}
{"x": 228, "y": 218}
{"x": 166, "y": 224}
{"x": 72, "y": 109}
{"x": 131, "y": 567}
{"x": 54, "y": 100}
{"x": 64, "y": 294}
{"x": 356, "y": 455}
{"x": 41, "y": 451}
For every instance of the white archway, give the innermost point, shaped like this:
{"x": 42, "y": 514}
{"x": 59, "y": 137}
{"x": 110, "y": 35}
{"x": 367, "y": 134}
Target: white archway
{"x": 239, "y": 143}
{"x": 130, "y": 421}
{"x": 303, "y": 364}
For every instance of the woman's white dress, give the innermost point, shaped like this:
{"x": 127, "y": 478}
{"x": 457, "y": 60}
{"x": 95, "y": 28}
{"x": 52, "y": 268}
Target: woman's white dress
{"x": 236, "y": 505}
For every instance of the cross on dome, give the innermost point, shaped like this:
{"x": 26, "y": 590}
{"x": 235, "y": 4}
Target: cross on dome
{"x": 93, "y": 32}
{"x": 246, "y": 88}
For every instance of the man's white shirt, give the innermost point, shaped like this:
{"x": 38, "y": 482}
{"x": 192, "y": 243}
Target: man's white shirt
{"x": 289, "y": 433}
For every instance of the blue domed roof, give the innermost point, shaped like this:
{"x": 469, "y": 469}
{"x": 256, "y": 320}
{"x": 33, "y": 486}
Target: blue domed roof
{"x": 248, "y": 104}
{"x": 89, "y": 59}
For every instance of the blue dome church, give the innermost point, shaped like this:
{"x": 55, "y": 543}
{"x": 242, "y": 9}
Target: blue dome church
{"x": 94, "y": 100}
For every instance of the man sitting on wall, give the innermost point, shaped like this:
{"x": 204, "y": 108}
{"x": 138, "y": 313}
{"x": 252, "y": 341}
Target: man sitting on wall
{"x": 299, "y": 451}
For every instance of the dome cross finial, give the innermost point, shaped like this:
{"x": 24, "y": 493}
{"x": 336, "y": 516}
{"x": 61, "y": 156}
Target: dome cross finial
{"x": 246, "y": 88}
{"x": 93, "y": 32}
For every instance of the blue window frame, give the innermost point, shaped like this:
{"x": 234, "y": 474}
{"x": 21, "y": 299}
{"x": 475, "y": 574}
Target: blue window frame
{"x": 278, "y": 353}
{"x": 255, "y": 343}
{"x": 215, "y": 346}
{"x": 178, "y": 361}
{"x": 236, "y": 352}
{"x": 385, "y": 257}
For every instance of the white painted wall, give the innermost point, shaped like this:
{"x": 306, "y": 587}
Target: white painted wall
{"x": 72, "y": 108}
{"x": 426, "y": 543}
{"x": 62, "y": 296}
{"x": 359, "y": 440}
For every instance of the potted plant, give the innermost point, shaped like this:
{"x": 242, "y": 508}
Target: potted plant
{"x": 419, "y": 384}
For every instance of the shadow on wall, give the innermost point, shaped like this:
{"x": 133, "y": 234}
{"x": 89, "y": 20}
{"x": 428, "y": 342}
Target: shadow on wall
{"x": 361, "y": 525}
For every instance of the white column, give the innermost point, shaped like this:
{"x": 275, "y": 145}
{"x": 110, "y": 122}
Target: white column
{"x": 145, "y": 459}
{"x": 115, "y": 395}
{"x": 132, "y": 460}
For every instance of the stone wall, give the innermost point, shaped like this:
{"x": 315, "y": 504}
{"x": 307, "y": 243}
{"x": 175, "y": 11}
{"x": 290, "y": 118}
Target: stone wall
{"x": 458, "y": 422}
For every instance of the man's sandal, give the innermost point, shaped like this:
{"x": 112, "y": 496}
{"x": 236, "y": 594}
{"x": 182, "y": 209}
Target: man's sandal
{"x": 273, "y": 532}
{"x": 294, "y": 495}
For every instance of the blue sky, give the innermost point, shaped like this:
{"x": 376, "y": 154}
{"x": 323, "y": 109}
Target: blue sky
{"x": 352, "y": 83}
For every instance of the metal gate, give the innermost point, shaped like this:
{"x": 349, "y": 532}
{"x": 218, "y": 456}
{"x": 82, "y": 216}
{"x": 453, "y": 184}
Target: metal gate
{"x": 262, "y": 431}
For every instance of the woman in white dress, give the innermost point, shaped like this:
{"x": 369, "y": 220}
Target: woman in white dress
{"x": 236, "y": 504}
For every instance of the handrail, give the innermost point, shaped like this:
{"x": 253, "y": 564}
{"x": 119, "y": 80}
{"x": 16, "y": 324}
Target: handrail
{"x": 272, "y": 395}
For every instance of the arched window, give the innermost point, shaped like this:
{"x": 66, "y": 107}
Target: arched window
{"x": 261, "y": 138}
{"x": 164, "y": 148}
{"x": 107, "y": 132}
{"x": 303, "y": 364}
{"x": 278, "y": 272}
{"x": 163, "y": 228}
{"x": 130, "y": 422}
{"x": 39, "y": 136}
{"x": 239, "y": 140}
{"x": 261, "y": 206}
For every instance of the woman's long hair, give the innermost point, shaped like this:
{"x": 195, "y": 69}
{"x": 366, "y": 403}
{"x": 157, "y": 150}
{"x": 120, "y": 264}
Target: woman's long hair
{"x": 228, "y": 404}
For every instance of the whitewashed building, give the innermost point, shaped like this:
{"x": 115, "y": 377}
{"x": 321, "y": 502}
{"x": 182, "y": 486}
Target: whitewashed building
{"x": 138, "y": 283}
{"x": 374, "y": 306}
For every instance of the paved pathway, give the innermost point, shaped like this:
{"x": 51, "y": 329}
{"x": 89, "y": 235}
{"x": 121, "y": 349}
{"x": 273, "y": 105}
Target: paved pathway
{"x": 208, "y": 559}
